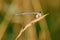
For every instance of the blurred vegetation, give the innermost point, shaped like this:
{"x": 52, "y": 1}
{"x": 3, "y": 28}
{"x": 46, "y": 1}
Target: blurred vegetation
{"x": 46, "y": 29}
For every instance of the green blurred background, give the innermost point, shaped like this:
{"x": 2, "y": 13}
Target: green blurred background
{"x": 51, "y": 7}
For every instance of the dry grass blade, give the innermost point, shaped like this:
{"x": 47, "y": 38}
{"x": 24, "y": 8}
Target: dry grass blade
{"x": 29, "y": 24}
{"x": 7, "y": 19}
{"x": 4, "y": 24}
{"x": 27, "y": 5}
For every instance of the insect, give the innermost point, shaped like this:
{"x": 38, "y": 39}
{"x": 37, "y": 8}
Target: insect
{"x": 38, "y": 14}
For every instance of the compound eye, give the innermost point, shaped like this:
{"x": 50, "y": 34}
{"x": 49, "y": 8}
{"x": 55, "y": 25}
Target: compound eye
{"x": 38, "y": 15}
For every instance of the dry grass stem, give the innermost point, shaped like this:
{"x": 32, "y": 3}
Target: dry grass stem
{"x": 29, "y": 24}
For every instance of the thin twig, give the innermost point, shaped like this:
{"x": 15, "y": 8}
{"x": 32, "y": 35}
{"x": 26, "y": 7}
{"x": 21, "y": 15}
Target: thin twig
{"x": 29, "y": 24}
